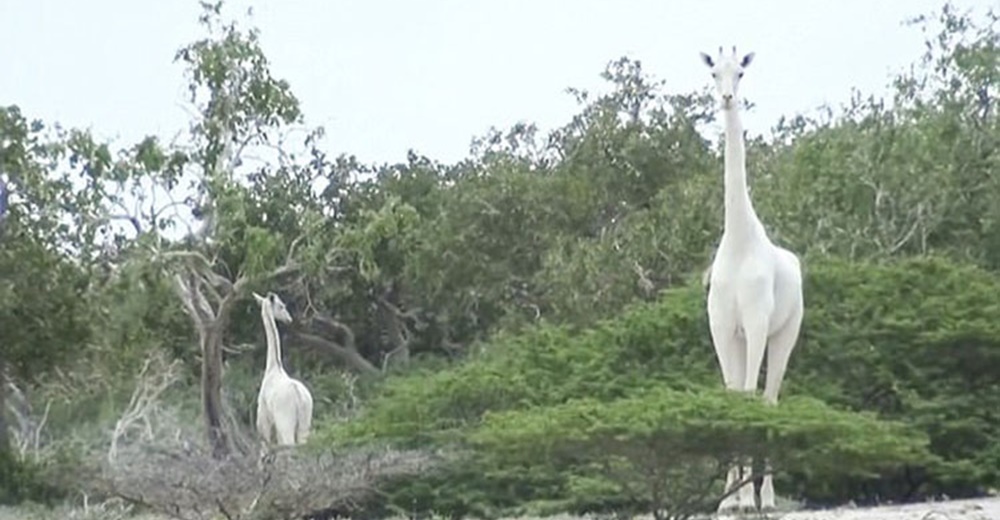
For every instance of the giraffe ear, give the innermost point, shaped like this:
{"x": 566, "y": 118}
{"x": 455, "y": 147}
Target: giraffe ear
{"x": 746, "y": 60}
{"x": 707, "y": 59}
{"x": 259, "y": 298}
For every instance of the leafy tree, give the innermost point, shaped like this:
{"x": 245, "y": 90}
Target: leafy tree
{"x": 43, "y": 292}
{"x": 667, "y": 451}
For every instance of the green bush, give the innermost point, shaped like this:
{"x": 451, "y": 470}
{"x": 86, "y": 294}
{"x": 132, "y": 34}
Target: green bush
{"x": 668, "y": 450}
{"x": 20, "y": 481}
{"x": 913, "y": 341}
{"x": 546, "y": 366}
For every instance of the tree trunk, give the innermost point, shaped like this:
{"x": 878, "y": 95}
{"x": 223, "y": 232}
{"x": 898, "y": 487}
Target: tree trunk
{"x": 211, "y": 392}
{"x": 346, "y": 353}
{"x": 394, "y": 325}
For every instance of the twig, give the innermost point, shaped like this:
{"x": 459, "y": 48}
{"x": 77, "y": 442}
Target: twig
{"x": 148, "y": 389}
{"x": 41, "y": 424}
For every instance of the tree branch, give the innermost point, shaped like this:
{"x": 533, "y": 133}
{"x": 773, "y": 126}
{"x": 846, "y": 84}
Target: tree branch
{"x": 337, "y": 327}
{"x": 344, "y": 352}
{"x": 408, "y": 315}
{"x": 194, "y": 302}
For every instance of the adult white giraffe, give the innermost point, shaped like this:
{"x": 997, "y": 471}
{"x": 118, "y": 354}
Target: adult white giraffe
{"x": 284, "y": 404}
{"x": 755, "y": 287}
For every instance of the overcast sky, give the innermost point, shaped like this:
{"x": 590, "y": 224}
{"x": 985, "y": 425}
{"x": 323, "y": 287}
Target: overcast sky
{"x": 384, "y": 76}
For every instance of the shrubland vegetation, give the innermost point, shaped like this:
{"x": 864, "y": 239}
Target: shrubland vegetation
{"x": 519, "y": 332}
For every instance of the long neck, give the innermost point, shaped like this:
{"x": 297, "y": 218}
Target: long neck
{"x": 740, "y": 218}
{"x": 273, "y": 341}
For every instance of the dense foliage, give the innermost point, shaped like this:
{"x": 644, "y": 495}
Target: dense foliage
{"x": 862, "y": 349}
{"x": 533, "y": 313}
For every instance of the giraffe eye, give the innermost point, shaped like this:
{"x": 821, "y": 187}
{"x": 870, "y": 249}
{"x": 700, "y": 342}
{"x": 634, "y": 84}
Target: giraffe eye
{"x": 715, "y": 75}
{"x": 741, "y": 75}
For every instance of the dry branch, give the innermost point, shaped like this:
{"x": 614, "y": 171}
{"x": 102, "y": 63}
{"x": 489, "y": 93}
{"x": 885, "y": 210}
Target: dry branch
{"x": 173, "y": 471}
{"x": 25, "y": 433}
{"x": 149, "y": 386}
{"x": 191, "y": 484}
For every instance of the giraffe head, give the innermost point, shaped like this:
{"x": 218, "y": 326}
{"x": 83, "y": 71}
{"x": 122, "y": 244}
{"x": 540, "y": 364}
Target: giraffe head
{"x": 276, "y": 306}
{"x": 727, "y": 70}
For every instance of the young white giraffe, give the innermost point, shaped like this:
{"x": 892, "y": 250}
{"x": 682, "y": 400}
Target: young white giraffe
{"x": 755, "y": 287}
{"x": 284, "y": 404}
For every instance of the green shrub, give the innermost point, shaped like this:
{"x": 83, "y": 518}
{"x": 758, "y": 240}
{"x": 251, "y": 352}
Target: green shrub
{"x": 668, "y": 450}
{"x": 20, "y": 481}
{"x": 913, "y": 341}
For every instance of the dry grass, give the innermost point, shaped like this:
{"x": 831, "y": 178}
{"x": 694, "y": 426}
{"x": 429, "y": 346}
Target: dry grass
{"x": 161, "y": 463}
{"x": 154, "y": 459}
{"x": 190, "y": 484}
{"x": 107, "y": 510}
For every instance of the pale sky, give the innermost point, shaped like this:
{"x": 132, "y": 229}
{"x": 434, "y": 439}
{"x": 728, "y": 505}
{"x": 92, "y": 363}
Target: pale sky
{"x": 384, "y": 76}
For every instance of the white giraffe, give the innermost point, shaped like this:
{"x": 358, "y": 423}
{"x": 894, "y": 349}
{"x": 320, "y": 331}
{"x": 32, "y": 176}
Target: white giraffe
{"x": 284, "y": 404}
{"x": 755, "y": 287}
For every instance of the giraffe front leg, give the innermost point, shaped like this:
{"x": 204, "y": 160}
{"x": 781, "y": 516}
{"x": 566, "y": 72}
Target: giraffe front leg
{"x": 265, "y": 425}
{"x": 779, "y": 351}
{"x": 755, "y": 328}
{"x": 767, "y": 503}
{"x": 743, "y": 499}
{"x": 748, "y": 501}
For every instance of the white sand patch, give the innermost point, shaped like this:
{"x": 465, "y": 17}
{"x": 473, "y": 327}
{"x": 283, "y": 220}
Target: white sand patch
{"x": 970, "y": 509}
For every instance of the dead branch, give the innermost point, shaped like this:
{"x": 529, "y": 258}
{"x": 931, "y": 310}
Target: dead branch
{"x": 398, "y": 326}
{"x": 149, "y": 386}
{"x": 28, "y": 432}
{"x": 644, "y": 282}
{"x": 399, "y": 350}
{"x": 195, "y": 304}
{"x": 906, "y": 236}
{"x": 180, "y": 478}
{"x": 412, "y": 314}
{"x": 452, "y": 347}
{"x": 240, "y": 348}
{"x": 350, "y": 381}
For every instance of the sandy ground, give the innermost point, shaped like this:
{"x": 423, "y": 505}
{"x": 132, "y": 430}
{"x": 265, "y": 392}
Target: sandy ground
{"x": 971, "y": 509}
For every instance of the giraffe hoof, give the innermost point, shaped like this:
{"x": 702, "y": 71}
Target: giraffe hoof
{"x": 728, "y": 509}
{"x": 734, "y": 510}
